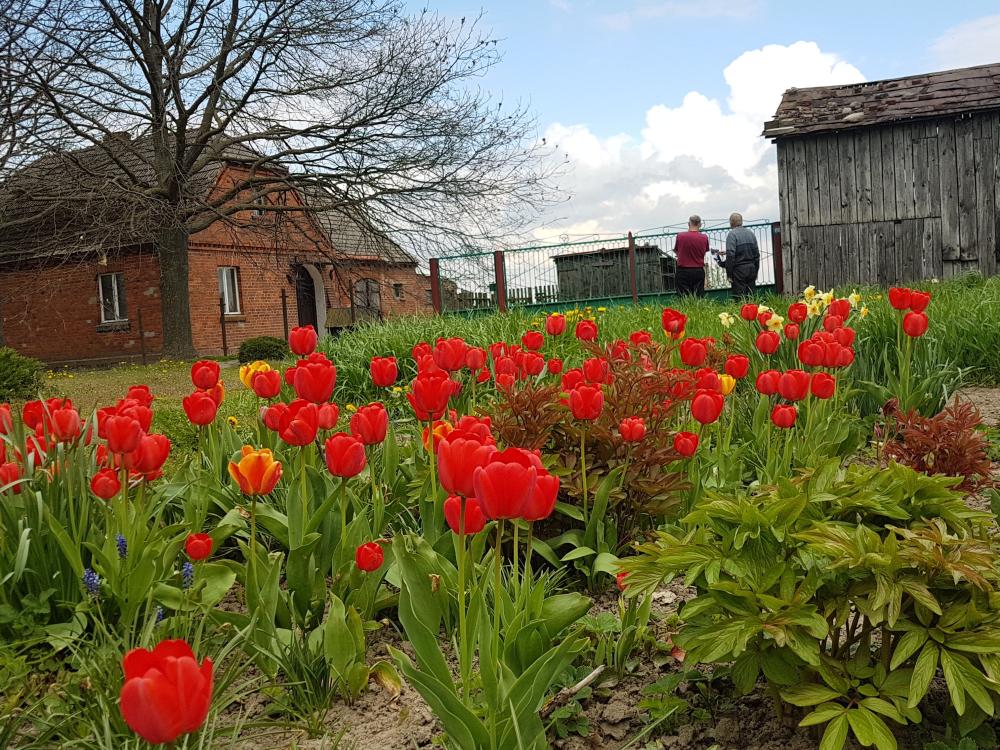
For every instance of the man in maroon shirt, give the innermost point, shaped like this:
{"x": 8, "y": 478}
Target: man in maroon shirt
{"x": 690, "y": 248}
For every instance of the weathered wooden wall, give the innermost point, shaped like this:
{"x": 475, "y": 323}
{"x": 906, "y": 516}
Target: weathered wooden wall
{"x": 891, "y": 204}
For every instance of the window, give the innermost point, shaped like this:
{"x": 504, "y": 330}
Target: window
{"x": 229, "y": 289}
{"x": 260, "y": 204}
{"x": 397, "y": 291}
{"x": 430, "y": 296}
{"x": 111, "y": 288}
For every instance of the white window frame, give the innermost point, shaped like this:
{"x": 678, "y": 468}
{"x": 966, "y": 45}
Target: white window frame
{"x": 230, "y": 304}
{"x": 117, "y": 299}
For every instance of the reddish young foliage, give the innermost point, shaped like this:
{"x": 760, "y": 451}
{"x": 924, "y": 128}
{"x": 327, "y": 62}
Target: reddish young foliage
{"x": 947, "y": 443}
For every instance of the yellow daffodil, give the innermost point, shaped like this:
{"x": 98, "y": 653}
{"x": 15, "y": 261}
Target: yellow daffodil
{"x": 864, "y": 312}
{"x": 397, "y": 389}
{"x": 814, "y": 309}
{"x": 727, "y": 383}
{"x": 248, "y": 371}
{"x": 602, "y": 309}
{"x": 854, "y": 298}
{"x": 763, "y": 308}
{"x": 350, "y": 407}
{"x": 826, "y": 298}
{"x": 726, "y": 319}
{"x": 775, "y": 323}
{"x": 809, "y": 292}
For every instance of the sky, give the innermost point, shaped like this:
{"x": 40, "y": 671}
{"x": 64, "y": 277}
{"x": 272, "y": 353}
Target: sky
{"x": 656, "y": 106}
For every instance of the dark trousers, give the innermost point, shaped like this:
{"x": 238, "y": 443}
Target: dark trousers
{"x": 691, "y": 281}
{"x": 743, "y": 280}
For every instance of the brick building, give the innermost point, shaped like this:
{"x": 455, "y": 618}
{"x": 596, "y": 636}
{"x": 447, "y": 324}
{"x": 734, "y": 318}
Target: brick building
{"x": 251, "y": 274}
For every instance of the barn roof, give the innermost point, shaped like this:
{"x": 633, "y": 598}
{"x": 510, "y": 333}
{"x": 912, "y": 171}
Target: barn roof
{"x": 831, "y": 108}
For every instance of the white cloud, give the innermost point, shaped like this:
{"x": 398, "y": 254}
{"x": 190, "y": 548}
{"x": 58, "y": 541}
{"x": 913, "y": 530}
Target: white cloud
{"x": 701, "y": 155}
{"x": 976, "y": 42}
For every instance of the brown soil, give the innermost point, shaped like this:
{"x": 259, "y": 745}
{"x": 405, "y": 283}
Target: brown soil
{"x": 987, "y": 400}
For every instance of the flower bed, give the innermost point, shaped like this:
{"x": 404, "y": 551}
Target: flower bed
{"x": 467, "y": 521}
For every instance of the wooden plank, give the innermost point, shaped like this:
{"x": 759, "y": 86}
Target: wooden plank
{"x": 965, "y": 135}
{"x": 903, "y": 162}
{"x": 886, "y": 253}
{"x": 930, "y": 249}
{"x": 986, "y": 208}
{"x": 948, "y": 171}
{"x": 823, "y": 179}
{"x": 995, "y": 117}
{"x": 812, "y": 179}
{"x": 801, "y": 183}
{"x": 833, "y": 163}
{"x": 849, "y": 197}
{"x": 788, "y": 237}
{"x": 875, "y": 172}
{"x": 933, "y": 169}
{"x": 921, "y": 177}
{"x": 863, "y": 174}
{"x": 888, "y": 175}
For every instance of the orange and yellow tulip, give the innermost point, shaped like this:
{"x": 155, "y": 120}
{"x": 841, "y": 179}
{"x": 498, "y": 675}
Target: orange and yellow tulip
{"x": 256, "y": 472}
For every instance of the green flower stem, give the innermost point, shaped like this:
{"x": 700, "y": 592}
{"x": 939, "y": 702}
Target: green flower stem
{"x": 583, "y": 471}
{"x": 463, "y": 655}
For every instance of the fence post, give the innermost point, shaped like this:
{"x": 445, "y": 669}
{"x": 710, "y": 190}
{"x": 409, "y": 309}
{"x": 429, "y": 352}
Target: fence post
{"x": 436, "y": 284}
{"x": 142, "y": 337}
{"x": 284, "y": 311}
{"x": 222, "y": 325}
{"x": 631, "y": 269}
{"x": 500, "y": 274}
{"x": 777, "y": 259}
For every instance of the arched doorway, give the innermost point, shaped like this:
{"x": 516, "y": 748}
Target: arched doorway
{"x": 310, "y": 297}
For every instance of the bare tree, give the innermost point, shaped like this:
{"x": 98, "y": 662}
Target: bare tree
{"x": 353, "y": 103}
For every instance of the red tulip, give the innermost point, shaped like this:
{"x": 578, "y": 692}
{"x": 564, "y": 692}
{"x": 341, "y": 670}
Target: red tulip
{"x": 37, "y": 413}
{"x": 384, "y": 371}
{"x": 686, "y": 443}
{"x": 640, "y": 338}
{"x": 810, "y": 353}
{"x": 429, "y": 395}
{"x": 767, "y": 342}
{"x": 706, "y": 406}
{"x": 919, "y": 300}
{"x": 266, "y": 384}
{"x": 791, "y": 331}
{"x": 784, "y": 415}
{"x": 66, "y": 424}
{"x": 140, "y": 393}
{"x": 315, "y": 381}
{"x": 480, "y": 429}
{"x": 298, "y": 423}
{"x": 555, "y": 324}
{"x": 105, "y": 484}
{"x": 449, "y": 354}
{"x": 793, "y": 385}
{"x": 586, "y": 330}
{"x": 272, "y": 415}
{"x": 458, "y": 459}
{"x": 737, "y": 366}
{"x": 420, "y": 350}
{"x": 198, "y": 546}
{"x": 529, "y": 364}
{"x": 533, "y": 340}
{"x": 437, "y": 431}
{"x": 166, "y": 693}
{"x": 841, "y": 308}
{"x": 122, "y": 433}
{"x": 832, "y": 322}
{"x": 506, "y": 483}
{"x": 345, "y": 455}
{"x": 134, "y": 409}
{"x": 707, "y": 379}
{"x": 369, "y": 557}
{"x": 673, "y": 323}
{"x": 797, "y": 312}
{"x": 504, "y": 365}
{"x": 302, "y": 340}
{"x": 475, "y": 358}
{"x": 327, "y": 415}
{"x": 632, "y": 429}
{"x": 693, "y": 352}
{"x": 464, "y": 520}
{"x": 543, "y": 500}
{"x": 763, "y": 316}
{"x": 205, "y": 374}
{"x": 767, "y": 382}
{"x": 748, "y": 312}
{"x": 586, "y": 401}
{"x": 149, "y": 456}
{"x": 571, "y": 379}
{"x": 823, "y": 385}
{"x": 900, "y": 297}
{"x": 6, "y": 419}
{"x": 620, "y": 580}
{"x": 10, "y": 472}
{"x": 200, "y": 408}
{"x": 596, "y": 370}
{"x": 370, "y": 424}
{"x": 915, "y": 324}
{"x": 554, "y": 366}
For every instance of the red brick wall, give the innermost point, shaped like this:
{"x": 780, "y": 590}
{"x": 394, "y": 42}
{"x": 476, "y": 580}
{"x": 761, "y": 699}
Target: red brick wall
{"x": 54, "y": 313}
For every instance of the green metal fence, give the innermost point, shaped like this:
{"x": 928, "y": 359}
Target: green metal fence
{"x": 617, "y": 268}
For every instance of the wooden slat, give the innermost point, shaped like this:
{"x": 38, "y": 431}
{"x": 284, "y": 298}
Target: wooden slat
{"x": 789, "y": 237}
{"x": 823, "y": 173}
{"x": 833, "y": 162}
{"x": 986, "y": 208}
{"x": 965, "y": 135}
{"x": 930, "y": 249}
{"x": 903, "y": 163}
{"x": 889, "y": 176}
{"x": 875, "y": 171}
{"x": 995, "y": 117}
{"x": 886, "y": 253}
{"x": 812, "y": 180}
{"x": 801, "y": 184}
{"x": 933, "y": 169}
{"x": 948, "y": 164}
{"x": 849, "y": 197}
{"x": 921, "y": 177}
{"x": 863, "y": 174}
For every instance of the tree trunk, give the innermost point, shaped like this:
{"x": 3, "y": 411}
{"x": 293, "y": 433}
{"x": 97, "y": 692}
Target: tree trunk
{"x": 172, "y": 250}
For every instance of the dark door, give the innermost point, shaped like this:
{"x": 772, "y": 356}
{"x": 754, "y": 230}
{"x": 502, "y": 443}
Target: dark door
{"x": 305, "y": 297}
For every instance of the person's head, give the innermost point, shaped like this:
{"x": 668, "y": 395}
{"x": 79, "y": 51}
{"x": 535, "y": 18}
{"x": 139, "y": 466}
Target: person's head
{"x": 735, "y": 220}
{"x": 694, "y": 223}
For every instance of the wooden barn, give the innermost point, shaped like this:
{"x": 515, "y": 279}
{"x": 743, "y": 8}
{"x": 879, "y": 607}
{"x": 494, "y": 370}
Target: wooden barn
{"x": 890, "y": 181}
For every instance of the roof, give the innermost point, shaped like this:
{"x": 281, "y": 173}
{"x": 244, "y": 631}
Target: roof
{"x": 353, "y": 237}
{"x": 832, "y": 108}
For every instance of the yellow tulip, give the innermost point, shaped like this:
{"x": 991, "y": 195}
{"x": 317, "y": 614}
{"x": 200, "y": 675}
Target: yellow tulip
{"x": 248, "y": 371}
{"x": 727, "y": 383}
{"x": 256, "y": 472}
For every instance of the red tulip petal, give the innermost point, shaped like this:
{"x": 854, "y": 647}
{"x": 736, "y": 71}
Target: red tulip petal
{"x": 149, "y": 706}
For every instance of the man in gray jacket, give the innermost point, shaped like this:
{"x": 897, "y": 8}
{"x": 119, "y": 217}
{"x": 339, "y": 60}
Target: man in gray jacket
{"x": 742, "y": 258}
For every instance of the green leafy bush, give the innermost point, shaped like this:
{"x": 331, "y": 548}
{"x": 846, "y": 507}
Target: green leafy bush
{"x": 849, "y": 590}
{"x": 20, "y": 376}
{"x": 263, "y": 347}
